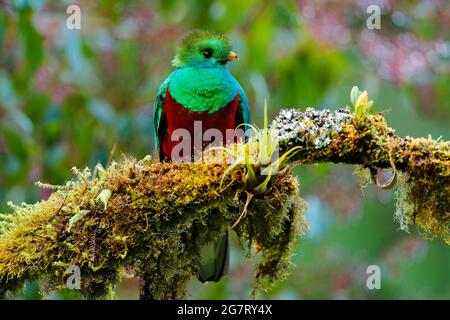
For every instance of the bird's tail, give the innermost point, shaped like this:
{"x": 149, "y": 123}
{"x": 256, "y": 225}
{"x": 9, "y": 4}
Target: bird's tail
{"x": 214, "y": 259}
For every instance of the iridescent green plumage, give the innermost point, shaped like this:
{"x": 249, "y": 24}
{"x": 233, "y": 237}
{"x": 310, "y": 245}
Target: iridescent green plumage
{"x": 199, "y": 83}
{"x": 201, "y": 88}
{"x": 189, "y": 52}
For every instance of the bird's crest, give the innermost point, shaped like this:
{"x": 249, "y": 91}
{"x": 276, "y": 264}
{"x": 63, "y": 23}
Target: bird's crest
{"x": 197, "y": 38}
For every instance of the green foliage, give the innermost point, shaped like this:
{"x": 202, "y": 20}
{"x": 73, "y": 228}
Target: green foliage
{"x": 32, "y": 41}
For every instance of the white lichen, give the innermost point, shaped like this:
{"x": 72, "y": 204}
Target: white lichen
{"x": 312, "y": 128}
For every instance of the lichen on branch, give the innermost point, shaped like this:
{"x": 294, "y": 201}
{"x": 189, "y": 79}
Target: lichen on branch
{"x": 421, "y": 164}
{"x": 153, "y": 218}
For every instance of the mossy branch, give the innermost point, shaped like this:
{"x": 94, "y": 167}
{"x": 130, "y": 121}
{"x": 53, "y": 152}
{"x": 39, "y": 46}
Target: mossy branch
{"x": 421, "y": 164}
{"x": 153, "y": 218}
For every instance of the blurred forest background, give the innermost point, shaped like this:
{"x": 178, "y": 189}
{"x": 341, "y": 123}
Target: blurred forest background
{"x": 67, "y": 96}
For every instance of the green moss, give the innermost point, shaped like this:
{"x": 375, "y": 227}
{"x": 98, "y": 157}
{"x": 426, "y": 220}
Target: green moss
{"x": 423, "y": 166}
{"x": 155, "y": 221}
{"x": 365, "y": 178}
{"x": 424, "y": 202}
{"x": 154, "y": 218}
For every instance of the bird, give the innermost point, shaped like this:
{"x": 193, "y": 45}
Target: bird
{"x": 200, "y": 88}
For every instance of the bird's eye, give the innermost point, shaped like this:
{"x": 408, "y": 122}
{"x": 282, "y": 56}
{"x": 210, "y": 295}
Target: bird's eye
{"x": 207, "y": 53}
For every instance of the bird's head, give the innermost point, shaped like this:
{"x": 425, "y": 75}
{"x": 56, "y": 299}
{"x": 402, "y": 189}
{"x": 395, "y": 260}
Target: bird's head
{"x": 204, "y": 49}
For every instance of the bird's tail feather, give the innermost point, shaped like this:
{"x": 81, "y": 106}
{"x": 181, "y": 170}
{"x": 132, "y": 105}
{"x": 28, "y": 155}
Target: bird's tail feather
{"x": 214, "y": 260}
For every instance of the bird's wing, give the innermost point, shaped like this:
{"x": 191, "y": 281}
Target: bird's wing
{"x": 159, "y": 119}
{"x": 244, "y": 108}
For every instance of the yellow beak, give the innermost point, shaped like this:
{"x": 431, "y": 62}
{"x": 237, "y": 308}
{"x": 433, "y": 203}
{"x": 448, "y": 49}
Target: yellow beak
{"x": 232, "y": 56}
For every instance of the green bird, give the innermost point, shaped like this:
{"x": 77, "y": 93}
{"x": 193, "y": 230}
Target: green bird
{"x": 200, "y": 89}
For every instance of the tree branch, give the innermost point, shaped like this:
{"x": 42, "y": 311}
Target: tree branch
{"x": 423, "y": 164}
{"x": 153, "y": 218}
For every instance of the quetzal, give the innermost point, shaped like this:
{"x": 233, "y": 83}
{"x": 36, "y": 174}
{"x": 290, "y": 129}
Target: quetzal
{"x": 200, "y": 89}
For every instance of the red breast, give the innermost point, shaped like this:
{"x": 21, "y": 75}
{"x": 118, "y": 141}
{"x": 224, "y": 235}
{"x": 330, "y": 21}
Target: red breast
{"x": 179, "y": 117}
